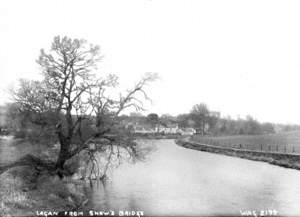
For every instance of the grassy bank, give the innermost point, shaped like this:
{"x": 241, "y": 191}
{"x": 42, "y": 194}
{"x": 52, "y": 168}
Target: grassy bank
{"x": 279, "y": 159}
{"x": 23, "y": 191}
{"x": 21, "y": 195}
{"x": 285, "y": 142}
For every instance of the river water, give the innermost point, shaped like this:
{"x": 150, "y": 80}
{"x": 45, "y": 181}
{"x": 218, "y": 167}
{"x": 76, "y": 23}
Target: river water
{"x": 179, "y": 181}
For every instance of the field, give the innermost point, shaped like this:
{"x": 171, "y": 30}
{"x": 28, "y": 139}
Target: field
{"x": 288, "y": 142}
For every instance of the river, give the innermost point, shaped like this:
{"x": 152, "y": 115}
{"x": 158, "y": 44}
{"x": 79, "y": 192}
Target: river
{"x": 179, "y": 181}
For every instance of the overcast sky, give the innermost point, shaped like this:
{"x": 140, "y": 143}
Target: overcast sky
{"x": 239, "y": 57}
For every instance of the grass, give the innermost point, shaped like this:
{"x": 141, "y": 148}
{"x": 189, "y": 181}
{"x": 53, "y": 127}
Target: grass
{"x": 13, "y": 197}
{"x": 288, "y": 142}
{"x": 280, "y": 159}
{"x": 22, "y": 192}
{"x": 19, "y": 196}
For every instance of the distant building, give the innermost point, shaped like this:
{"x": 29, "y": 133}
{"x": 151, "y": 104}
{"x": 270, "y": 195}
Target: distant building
{"x": 167, "y": 129}
{"x": 170, "y": 128}
{"x": 187, "y": 131}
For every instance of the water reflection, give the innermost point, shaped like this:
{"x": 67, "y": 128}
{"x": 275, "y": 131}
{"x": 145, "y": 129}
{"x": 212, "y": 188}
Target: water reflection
{"x": 175, "y": 181}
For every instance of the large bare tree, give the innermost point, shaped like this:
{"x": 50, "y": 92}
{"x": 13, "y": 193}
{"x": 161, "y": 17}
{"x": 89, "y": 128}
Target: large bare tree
{"x": 80, "y": 99}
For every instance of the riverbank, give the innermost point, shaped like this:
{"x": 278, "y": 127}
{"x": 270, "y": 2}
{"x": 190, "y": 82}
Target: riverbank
{"x": 20, "y": 195}
{"x": 23, "y": 190}
{"x": 279, "y": 159}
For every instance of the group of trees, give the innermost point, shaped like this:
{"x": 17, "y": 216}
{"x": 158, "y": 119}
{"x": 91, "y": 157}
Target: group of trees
{"x": 211, "y": 122}
{"x": 206, "y": 122}
{"x": 73, "y": 104}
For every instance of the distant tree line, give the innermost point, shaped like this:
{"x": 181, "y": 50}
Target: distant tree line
{"x": 207, "y": 122}
{"x": 41, "y": 126}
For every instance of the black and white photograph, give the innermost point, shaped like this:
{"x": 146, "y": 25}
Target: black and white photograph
{"x": 141, "y": 108}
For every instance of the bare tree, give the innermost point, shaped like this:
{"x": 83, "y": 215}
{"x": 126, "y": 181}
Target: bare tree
{"x": 78, "y": 97}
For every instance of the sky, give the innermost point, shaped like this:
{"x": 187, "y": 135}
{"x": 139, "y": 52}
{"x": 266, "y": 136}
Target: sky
{"x": 238, "y": 57}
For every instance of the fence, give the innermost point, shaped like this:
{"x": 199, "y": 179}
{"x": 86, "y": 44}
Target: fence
{"x": 280, "y": 148}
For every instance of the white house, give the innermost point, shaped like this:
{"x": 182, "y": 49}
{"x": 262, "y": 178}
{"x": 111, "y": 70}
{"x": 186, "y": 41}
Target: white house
{"x": 187, "y": 131}
{"x": 169, "y": 129}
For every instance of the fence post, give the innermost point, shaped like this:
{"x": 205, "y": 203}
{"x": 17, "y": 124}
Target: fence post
{"x": 293, "y": 149}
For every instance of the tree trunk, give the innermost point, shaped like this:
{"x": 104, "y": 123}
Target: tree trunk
{"x": 61, "y": 160}
{"x": 64, "y": 153}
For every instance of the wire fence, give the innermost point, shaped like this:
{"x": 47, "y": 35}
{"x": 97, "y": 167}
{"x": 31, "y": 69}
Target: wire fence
{"x": 279, "y": 148}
